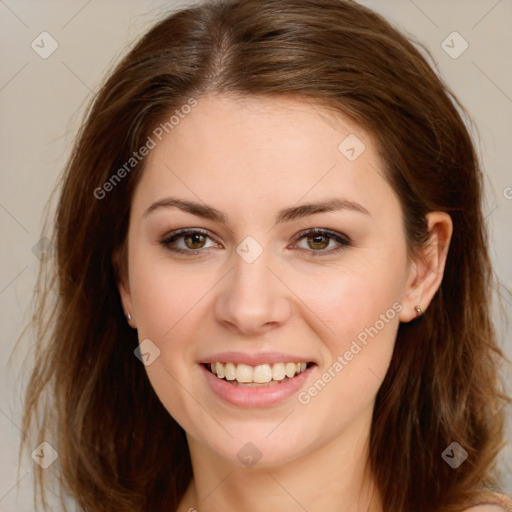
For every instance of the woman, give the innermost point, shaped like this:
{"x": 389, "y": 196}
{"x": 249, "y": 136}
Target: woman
{"x": 273, "y": 277}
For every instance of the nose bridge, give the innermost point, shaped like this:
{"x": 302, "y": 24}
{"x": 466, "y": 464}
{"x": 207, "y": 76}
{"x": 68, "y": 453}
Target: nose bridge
{"x": 251, "y": 280}
{"x": 253, "y": 296}
{"x": 251, "y": 275}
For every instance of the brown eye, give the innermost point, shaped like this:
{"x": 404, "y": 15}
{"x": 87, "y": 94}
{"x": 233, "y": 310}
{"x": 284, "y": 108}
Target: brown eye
{"x": 194, "y": 241}
{"x": 191, "y": 241}
{"x": 317, "y": 240}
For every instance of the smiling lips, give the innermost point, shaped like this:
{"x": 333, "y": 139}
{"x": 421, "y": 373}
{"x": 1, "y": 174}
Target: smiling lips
{"x": 256, "y": 380}
{"x": 244, "y": 374}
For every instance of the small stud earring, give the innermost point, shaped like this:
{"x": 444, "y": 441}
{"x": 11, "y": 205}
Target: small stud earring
{"x": 127, "y": 312}
{"x": 419, "y": 312}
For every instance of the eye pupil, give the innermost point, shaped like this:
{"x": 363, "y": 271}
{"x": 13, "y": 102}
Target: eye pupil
{"x": 195, "y": 237}
{"x": 316, "y": 239}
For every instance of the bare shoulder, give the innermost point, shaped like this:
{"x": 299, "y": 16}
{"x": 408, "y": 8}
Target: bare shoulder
{"x": 490, "y": 501}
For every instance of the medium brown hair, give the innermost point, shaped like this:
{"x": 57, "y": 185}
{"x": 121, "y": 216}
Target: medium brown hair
{"x": 119, "y": 448}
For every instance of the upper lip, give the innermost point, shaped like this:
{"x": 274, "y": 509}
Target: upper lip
{"x": 255, "y": 359}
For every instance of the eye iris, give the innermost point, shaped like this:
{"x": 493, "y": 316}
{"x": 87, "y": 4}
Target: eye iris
{"x": 316, "y": 238}
{"x": 194, "y": 237}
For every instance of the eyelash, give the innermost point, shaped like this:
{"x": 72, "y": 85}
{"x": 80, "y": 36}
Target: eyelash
{"x": 343, "y": 240}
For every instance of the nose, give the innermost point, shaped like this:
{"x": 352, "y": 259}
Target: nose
{"x": 254, "y": 298}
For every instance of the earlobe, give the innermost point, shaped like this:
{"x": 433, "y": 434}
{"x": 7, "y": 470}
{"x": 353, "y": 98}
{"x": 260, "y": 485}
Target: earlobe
{"x": 428, "y": 267}
{"x": 124, "y": 293}
{"x": 127, "y": 311}
{"x": 123, "y": 286}
{"x": 419, "y": 311}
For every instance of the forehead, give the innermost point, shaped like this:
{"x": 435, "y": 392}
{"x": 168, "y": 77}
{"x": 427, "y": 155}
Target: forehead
{"x": 259, "y": 152}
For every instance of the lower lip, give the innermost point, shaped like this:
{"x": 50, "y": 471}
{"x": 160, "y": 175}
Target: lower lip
{"x": 256, "y": 396}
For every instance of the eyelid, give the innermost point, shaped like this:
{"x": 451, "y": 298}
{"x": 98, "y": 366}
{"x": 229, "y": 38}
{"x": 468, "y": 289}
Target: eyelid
{"x": 342, "y": 239}
{"x": 336, "y": 235}
{"x": 181, "y": 233}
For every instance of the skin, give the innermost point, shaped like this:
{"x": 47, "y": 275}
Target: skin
{"x": 249, "y": 158}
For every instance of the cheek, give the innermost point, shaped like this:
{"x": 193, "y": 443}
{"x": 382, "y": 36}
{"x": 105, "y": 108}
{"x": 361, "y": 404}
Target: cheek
{"x": 362, "y": 315}
{"x": 353, "y": 299}
{"x": 167, "y": 301}
{"x": 164, "y": 294}
{"x": 357, "y": 312}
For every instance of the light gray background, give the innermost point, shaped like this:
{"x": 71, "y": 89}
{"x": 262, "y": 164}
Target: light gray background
{"x": 41, "y": 102}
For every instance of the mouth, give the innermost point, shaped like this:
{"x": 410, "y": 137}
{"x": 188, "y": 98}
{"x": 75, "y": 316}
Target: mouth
{"x": 262, "y": 375}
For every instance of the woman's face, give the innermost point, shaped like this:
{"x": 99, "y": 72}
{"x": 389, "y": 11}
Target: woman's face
{"x": 252, "y": 288}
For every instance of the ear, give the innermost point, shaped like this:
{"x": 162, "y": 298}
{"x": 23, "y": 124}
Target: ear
{"x": 120, "y": 264}
{"x": 426, "y": 271}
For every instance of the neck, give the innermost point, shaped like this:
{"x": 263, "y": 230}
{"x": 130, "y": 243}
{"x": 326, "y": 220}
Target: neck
{"x": 334, "y": 476}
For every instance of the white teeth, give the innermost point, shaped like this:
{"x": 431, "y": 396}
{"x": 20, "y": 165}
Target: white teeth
{"x": 219, "y": 370}
{"x": 278, "y": 371}
{"x": 243, "y": 373}
{"x": 260, "y": 374}
{"x": 229, "y": 371}
{"x": 290, "y": 369}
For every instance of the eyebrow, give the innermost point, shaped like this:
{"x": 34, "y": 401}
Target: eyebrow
{"x": 285, "y": 215}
